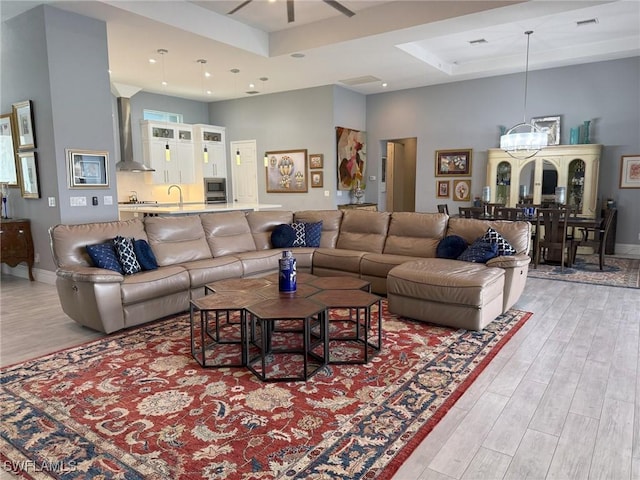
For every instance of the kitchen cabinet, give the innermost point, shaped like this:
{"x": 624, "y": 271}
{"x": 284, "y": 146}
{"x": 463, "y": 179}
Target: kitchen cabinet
{"x": 534, "y": 180}
{"x": 16, "y": 244}
{"x": 211, "y": 150}
{"x": 179, "y": 165}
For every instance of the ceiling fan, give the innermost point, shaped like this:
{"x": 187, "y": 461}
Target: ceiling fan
{"x": 290, "y": 13}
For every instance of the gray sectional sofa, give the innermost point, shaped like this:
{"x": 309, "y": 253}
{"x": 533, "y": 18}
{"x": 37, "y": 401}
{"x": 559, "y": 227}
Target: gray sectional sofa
{"x": 192, "y": 251}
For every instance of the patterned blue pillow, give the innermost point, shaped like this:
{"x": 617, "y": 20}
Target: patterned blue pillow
{"x": 451, "y": 247}
{"x": 312, "y": 232}
{"x": 479, "y": 252}
{"x": 283, "y": 236}
{"x": 301, "y": 236}
{"x": 126, "y": 255}
{"x": 144, "y": 255}
{"x": 504, "y": 247}
{"x": 103, "y": 255}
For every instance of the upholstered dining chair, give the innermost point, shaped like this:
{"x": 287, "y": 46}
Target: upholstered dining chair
{"x": 596, "y": 238}
{"x": 471, "y": 212}
{"x": 443, "y": 208}
{"x": 551, "y": 240}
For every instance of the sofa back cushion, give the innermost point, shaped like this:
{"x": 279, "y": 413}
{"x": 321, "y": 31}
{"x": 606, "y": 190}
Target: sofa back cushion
{"x": 363, "y": 230}
{"x": 176, "y": 240}
{"x": 69, "y": 242}
{"x": 518, "y": 234}
{"x": 227, "y": 233}
{"x": 330, "y": 219}
{"x": 262, "y": 224}
{"x": 415, "y": 234}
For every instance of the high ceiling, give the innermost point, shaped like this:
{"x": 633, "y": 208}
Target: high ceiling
{"x": 403, "y": 44}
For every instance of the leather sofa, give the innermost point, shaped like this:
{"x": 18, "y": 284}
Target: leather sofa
{"x": 194, "y": 250}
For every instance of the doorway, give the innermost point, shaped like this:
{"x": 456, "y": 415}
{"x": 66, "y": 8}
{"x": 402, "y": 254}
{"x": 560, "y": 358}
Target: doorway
{"x": 244, "y": 174}
{"x": 400, "y": 175}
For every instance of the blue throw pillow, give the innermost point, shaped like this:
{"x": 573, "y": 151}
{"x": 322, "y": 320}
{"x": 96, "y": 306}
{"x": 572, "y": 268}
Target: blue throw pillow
{"x": 103, "y": 255}
{"x": 144, "y": 254}
{"x": 451, "y": 247}
{"x": 312, "y": 232}
{"x": 504, "y": 247}
{"x": 126, "y": 255}
{"x": 283, "y": 236}
{"x": 300, "y": 239}
{"x": 479, "y": 252}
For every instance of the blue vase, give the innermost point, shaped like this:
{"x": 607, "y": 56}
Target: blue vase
{"x": 585, "y": 132}
{"x": 574, "y": 139}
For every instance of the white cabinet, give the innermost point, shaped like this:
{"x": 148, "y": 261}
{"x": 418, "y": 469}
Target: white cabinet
{"x": 168, "y": 148}
{"x": 575, "y": 167}
{"x": 210, "y": 150}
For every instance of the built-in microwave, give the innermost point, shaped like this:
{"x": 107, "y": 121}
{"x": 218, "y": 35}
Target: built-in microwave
{"x": 215, "y": 190}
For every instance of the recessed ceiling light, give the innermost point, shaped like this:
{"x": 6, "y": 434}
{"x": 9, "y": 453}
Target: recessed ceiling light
{"x": 297, "y": 55}
{"x": 385, "y": 84}
{"x": 207, "y": 74}
{"x": 208, "y": 92}
{"x": 152, "y": 60}
{"x": 591, "y": 21}
{"x": 478, "y": 41}
{"x": 251, "y": 85}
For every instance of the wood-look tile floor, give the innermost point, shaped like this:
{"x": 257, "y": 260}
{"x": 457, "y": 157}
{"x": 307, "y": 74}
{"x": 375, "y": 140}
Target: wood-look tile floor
{"x": 560, "y": 401}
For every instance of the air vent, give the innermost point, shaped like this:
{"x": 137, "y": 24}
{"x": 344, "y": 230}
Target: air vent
{"x": 360, "y": 80}
{"x": 478, "y": 41}
{"x": 591, "y": 21}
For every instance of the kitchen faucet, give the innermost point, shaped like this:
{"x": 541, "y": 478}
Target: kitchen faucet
{"x": 179, "y": 190}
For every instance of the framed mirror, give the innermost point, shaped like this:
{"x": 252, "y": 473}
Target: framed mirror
{"x": 25, "y": 132}
{"x": 8, "y": 168}
{"x": 29, "y": 175}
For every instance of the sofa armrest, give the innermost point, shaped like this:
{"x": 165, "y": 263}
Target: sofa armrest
{"x": 89, "y": 274}
{"x": 511, "y": 261}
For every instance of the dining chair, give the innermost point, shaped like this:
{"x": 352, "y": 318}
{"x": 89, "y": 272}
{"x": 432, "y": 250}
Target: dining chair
{"x": 508, "y": 213}
{"x": 553, "y": 243}
{"x": 491, "y": 208}
{"x": 443, "y": 208}
{"x": 471, "y": 212}
{"x": 596, "y": 238}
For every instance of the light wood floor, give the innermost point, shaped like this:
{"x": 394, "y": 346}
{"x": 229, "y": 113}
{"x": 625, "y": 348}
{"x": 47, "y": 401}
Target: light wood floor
{"x": 560, "y": 401}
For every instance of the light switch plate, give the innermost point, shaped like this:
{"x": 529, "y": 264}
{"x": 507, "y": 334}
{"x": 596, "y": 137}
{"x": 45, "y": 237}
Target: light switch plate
{"x": 78, "y": 201}
{"x": 52, "y": 201}
{"x": 107, "y": 200}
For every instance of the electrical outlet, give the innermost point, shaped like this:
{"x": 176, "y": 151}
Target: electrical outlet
{"x": 36, "y": 257}
{"x": 107, "y": 200}
{"x": 327, "y": 193}
{"x": 78, "y": 201}
{"x": 339, "y": 193}
{"x": 52, "y": 201}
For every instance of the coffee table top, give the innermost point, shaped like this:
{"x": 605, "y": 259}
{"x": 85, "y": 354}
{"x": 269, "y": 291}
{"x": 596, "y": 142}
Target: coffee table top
{"x": 236, "y": 300}
{"x": 301, "y": 277}
{"x": 343, "y": 282}
{"x": 236, "y": 284}
{"x": 273, "y": 291}
{"x": 346, "y": 298}
{"x": 285, "y": 308}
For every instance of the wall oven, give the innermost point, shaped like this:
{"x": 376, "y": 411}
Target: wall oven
{"x": 215, "y": 190}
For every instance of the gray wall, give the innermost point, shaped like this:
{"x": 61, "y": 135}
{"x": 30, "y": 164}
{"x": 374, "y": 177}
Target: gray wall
{"x": 468, "y": 114}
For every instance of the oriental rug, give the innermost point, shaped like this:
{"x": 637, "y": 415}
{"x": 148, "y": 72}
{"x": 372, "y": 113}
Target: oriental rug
{"x": 617, "y": 272}
{"x": 135, "y": 405}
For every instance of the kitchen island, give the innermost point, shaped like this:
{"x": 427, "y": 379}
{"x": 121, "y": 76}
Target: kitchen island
{"x": 127, "y": 211}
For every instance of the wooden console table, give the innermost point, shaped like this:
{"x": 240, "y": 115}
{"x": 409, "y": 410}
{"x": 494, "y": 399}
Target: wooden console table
{"x": 359, "y": 206}
{"x": 16, "y": 244}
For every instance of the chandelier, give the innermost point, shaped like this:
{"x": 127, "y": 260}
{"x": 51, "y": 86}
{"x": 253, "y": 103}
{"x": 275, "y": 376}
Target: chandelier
{"x": 524, "y": 140}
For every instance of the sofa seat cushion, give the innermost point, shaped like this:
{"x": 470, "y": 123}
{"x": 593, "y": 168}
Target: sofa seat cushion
{"x": 338, "y": 259}
{"x": 260, "y": 262}
{"x": 151, "y": 284}
{"x": 210, "y": 270}
{"x": 379, "y": 264}
{"x": 447, "y": 281}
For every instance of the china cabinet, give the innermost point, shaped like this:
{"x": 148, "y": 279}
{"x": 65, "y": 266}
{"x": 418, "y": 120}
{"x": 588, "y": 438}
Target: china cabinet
{"x": 168, "y": 149}
{"x": 16, "y": 243}
{"x": 210, "y": 150}
{"x": 534, "y": 180}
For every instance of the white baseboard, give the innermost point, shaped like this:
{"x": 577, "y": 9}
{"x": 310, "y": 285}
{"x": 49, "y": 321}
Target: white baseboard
{"x": 44, "y": 276}
{"x": 627, "y": 249}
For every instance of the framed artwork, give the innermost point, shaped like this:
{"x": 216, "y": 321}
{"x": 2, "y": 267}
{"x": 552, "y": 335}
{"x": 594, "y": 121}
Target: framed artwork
{"x": 8, "y": 163}
{"x": 29, "y": 185}
{"x": 316, "y": 160}
{"x": 630, "y": 171}
{"x": 87, "y": 169}
{"x": 443, "y": 189}
{"x": 287, "y": 171}
{"x": 351, "y": 154}
{"x": 550, "y": 126}
{"x": 462, "y": 190}
{"x": 317, "y": 179}
{"x": 451, "y": 163}
{"x": 23, "y": 118}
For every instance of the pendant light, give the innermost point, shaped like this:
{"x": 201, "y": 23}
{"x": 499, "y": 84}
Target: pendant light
{"x": 524, "y": 140}
{"x": 238, "y": 159}
{"x": 162, "y": 52}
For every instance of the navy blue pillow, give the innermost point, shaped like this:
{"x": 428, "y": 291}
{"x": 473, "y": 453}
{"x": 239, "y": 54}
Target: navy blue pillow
{"x": 103, "y": 255}
{"x": 312, "y": 232}
{"x": 479, "y": 252}
{"x": 283, "y": 236}
{"x": 451, "y": 247}
{"x": 144, "y": 254}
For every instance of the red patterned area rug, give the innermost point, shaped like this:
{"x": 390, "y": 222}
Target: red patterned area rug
{"x": 617, "y": 272}
{"x": 135, "y": 405}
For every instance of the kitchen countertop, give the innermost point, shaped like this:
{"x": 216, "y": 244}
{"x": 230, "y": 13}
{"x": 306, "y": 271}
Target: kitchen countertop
{"x": 192, "y": 208}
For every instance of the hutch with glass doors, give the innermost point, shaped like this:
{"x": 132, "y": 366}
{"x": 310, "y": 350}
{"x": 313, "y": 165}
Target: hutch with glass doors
{"x": 168, "y": 149}
{"x": 534, "y": 180}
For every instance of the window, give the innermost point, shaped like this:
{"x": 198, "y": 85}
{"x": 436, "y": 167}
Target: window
{"x": 162, "y": 116}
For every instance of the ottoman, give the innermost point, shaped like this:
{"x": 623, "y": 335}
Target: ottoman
{"x": 446, "y": 292}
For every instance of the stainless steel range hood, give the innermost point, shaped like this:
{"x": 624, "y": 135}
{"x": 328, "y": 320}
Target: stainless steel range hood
{"x": 127, "y": 163}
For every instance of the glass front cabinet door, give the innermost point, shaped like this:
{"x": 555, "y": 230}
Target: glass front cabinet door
{"x": 534, "y": 180}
